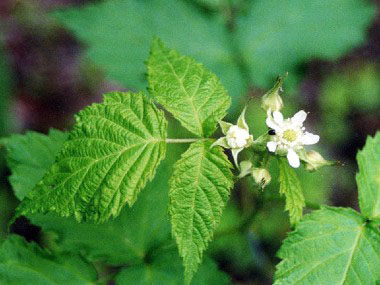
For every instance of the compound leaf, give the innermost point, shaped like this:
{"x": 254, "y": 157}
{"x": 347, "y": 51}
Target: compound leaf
{"x": 368, "y": 178}
{"x": 330, "y": 246}
{"x": 29, "y": 156}
{"x": 199, "y": 189}
{"x": 185, "y": 88}
{"x": 27, "y": 263}
{"x": 113, "y": 150}
{"x": 290, "y": 186}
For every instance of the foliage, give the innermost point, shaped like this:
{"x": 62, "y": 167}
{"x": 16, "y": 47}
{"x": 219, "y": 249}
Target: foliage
{"x": 29, "y": 156}
{"x": 338, "y": 245}
{"x": 270, "y": 33}
{"x": 368, "y": 178}
{"x": 331, "y": 245}
{"x": 27, "y": 263}
{"x": 122, "y": 54}
{"x": 136, "y": 247}
{"x": 290, "y": 187}
{"x": 199, "y": 190}
{"x": 185, "y": 88}
{"x": 266, "y": 33}
{"x": 114, "y": 148}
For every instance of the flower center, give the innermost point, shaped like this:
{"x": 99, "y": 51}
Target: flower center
{"x": 290, "y": 135}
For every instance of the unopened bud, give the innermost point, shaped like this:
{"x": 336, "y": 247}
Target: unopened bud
{"x": 272, "y": 100}
{"x": 261, "y": 176}
{"x": 314, "y": 160}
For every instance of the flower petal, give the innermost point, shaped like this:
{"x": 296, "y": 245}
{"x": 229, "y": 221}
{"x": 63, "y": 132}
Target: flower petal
{"x": 272, "y": 146}
{"x": 278, "y": 118}
{"x": 294, "y": 160}
{"x": 309, "y": 138}
{"x": 299, "y": 117}
{"x": 271, "y": 124}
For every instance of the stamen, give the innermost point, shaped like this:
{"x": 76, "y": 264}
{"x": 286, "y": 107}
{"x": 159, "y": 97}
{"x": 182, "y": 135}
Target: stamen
{"x": 290, "y": 135}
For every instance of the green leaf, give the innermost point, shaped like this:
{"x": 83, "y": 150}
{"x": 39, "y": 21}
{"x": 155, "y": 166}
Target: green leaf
{"x": 178, "y": 23}
{"x": 368, "y": 178}
{"x": 27, "y": 263}
{"x": 330, "y": 246}
{"x": 165, "y": 268}
{"x": 199, "y": 189}
{"x": 270, "y": 40}
{"x": 29, "y": 156}
{"x": 128, "y": 238}
{"x": 134, "y": 240}
{"x": 185, "y": 88}
{"x": 113, "y": 150}
{"x": 290, "y": 186}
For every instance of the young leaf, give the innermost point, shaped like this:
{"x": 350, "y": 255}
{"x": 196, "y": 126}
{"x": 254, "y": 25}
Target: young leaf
{"x": 165, "y": 268}
{"x": 113, "y": 150}
{"x": 27, "y": 263}
{"x": 185, "y": 88}
{"x": 290, "y": 186}
{"x": 368, "y": 178}
{"x": 199, "y": 190}
{"x": 29, "y": 156}
{"x": 330, "y": 246}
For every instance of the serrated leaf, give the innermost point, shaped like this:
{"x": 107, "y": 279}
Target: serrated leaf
{"x": 27, "y": 263}
{"x": 180, "y": 24}
{"x": 29, "y": 156}
{"x": 290, "y": 186}
{"x": 199, "y": 190}
{"x": 165, "y": 268}
{"x": 188, "y": 90}
{"x": 368, "y": 177}
{"x": 330, "y": 246}
{"x": 128, "y": 238}
{"x": 113, "y": 150}
{"x": 270, "y": 40}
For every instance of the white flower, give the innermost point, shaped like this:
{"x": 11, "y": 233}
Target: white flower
{"x": 236, "y": 138}
{"x": 289, "y": 136}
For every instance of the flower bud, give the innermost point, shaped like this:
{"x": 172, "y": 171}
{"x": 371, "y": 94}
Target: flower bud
{"x": 261, "y": 176}
{"x": 272, "y": 100}
{"x": 314, "y": 161}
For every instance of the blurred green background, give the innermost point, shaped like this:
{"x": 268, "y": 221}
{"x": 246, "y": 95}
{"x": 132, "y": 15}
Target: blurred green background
{"x": 57, "y": 56}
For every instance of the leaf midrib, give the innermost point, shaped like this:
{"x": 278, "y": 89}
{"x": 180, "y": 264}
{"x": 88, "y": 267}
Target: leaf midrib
{"x": 195, "y": 112}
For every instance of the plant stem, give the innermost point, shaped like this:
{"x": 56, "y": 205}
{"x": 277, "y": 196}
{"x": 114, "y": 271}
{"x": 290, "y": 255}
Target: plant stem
{"x": 182, "y": 140}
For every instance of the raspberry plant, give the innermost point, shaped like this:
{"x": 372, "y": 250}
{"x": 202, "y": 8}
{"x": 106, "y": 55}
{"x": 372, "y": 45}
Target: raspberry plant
{"x": 115, "y": 149}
